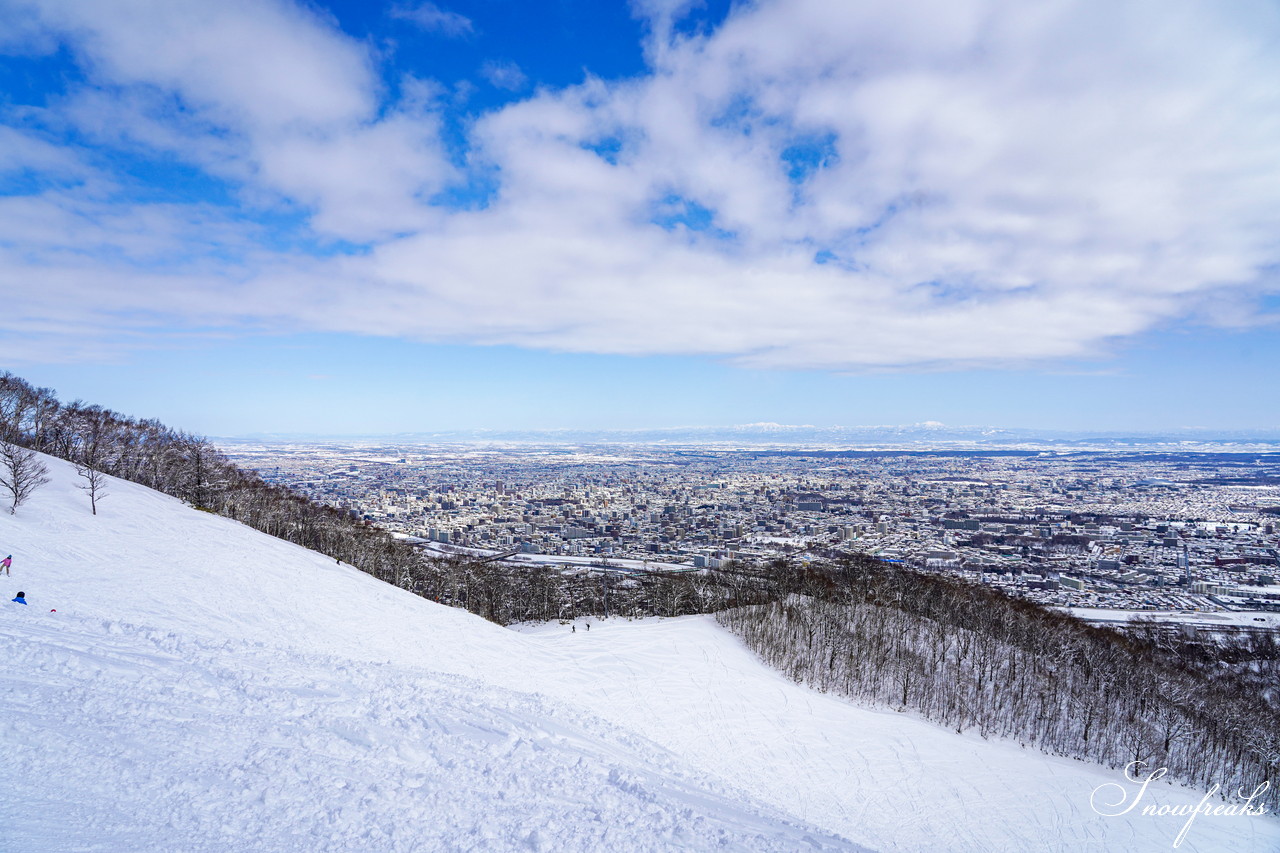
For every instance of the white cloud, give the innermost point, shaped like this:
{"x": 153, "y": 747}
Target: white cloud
{"x": 263, "y": 93}
{"x": 433, "y": 19}
{"x": 243, "y": 62}
{"x": 504, "y": 74}
{"x": 816, "y": 184}
{"x": 26, "y": 152}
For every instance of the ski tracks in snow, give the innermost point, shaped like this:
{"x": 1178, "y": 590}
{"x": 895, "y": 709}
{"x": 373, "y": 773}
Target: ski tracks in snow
{"x": 124, "y": 738}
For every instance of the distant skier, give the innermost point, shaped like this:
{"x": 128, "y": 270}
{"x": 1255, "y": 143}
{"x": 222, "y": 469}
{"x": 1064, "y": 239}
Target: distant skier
{"x": 21, "y": 599}
{"x": 5, "y": 563}
{"x": 573, "y": 629}
{"x": 588, "y": 626}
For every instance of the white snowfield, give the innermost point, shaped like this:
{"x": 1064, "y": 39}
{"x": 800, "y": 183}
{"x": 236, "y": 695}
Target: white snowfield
{"x": 203, "y": 687}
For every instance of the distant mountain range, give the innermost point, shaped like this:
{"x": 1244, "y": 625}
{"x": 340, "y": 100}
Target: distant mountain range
{"x": 922, "y": 435}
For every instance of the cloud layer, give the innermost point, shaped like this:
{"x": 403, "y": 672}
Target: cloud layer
{"x": 816, "y": 184}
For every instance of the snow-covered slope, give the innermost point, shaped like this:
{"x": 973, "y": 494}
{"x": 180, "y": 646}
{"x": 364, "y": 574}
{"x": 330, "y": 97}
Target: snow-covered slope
{"x": 204, "y": 687}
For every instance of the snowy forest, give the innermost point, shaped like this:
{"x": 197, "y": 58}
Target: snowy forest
{"x": 963, "y": 655}
{"x": 974, "y": 659}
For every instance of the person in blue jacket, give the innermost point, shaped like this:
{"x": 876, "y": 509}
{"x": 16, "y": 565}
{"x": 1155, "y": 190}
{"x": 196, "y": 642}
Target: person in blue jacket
{"x": 22, "y": 598}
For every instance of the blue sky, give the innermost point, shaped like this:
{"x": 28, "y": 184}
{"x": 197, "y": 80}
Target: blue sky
{"x": 364, "y": 217}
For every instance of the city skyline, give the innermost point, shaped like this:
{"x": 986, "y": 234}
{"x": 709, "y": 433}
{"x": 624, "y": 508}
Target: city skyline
{"x": 346, "y": 218}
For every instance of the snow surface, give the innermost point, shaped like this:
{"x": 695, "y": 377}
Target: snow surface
{"x": 1196, "y": 618}
{"x": 204, "y": 687}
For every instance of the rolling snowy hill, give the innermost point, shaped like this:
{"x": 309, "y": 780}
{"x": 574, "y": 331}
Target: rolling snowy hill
{"x": 204, "y": 687}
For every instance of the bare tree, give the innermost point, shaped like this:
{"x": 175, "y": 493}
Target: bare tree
{"x": 90, "y": 445}
{"x": 95, "y": 484}
{"x": 21, "y": 473}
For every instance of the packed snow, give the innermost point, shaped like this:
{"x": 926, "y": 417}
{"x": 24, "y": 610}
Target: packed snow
{"x": 1194, "y": 618}
{"x": 203, "y": 687}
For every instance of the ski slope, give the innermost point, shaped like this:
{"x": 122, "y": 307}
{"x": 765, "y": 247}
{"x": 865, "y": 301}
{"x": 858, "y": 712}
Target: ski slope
{"x": 203, "y": 687}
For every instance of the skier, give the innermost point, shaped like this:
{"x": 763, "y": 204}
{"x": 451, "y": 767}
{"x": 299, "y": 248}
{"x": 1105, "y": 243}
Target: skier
{"x": 5, "y": 563}
{"x": 21, "y": 599}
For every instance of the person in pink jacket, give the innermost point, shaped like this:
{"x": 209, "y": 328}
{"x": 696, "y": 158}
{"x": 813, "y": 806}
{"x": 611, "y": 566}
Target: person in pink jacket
{"x": 5, "y": 563}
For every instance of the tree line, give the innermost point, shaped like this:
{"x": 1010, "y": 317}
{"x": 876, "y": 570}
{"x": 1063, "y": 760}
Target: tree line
{"x": 101, "y": 442}
{"x": 975, "y": 659}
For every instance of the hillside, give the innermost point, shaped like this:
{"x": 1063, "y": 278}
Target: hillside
{"x": 205, "y": 687}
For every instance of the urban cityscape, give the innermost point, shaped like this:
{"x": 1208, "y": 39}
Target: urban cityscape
{"x": 1190, "y": 536}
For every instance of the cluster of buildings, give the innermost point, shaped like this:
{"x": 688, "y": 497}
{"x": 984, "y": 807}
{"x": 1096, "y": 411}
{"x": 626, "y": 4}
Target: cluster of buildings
{"x": 1125, "y": 531}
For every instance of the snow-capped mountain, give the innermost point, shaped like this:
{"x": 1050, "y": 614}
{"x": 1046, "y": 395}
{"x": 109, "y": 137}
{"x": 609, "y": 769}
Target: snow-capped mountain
{"x": 179, "y": 682}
